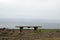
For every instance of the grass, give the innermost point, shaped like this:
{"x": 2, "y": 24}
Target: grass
{"x": 27, "y": 34}
{"x": 47, "y": 30}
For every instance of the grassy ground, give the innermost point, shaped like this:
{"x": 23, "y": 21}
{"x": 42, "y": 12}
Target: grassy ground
{"x": 41, "y": 34}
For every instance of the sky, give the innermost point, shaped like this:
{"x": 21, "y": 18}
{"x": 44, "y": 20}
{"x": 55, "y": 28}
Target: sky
{"x": 30, "y": 9}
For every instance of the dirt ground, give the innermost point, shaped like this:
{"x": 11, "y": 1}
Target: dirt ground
{"x": 29, "y": 34}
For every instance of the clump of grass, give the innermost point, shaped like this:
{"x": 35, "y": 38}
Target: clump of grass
{"x": 4, "y": 38}
{"x": 57, "y": 30}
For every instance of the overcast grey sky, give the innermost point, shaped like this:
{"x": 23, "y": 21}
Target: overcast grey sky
{"x": 30, "y": 9}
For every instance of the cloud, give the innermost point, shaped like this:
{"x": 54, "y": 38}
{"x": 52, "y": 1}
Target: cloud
{"x": 30, "y": 9}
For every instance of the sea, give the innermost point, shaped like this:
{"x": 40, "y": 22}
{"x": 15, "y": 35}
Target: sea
{"x": 46, "y": 24}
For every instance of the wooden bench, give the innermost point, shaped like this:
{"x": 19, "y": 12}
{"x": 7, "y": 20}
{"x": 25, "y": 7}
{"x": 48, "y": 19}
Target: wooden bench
{"x": 35, "y": 27}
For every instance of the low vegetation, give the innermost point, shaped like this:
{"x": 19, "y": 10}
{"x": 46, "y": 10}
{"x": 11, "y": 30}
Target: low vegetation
{"x": 29, "y": 34}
